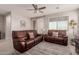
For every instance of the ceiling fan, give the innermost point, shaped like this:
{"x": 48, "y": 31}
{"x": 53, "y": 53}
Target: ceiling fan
{"x": 37, "y": 9}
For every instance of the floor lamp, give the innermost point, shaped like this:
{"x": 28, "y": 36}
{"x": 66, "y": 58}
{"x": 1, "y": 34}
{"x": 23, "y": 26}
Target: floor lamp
{"x": 73, "y": 24}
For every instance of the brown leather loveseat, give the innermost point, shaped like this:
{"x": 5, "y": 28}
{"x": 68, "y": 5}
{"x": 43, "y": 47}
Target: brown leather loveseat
{"x": 61, "y": 37}
{"x": 26, "y": 39}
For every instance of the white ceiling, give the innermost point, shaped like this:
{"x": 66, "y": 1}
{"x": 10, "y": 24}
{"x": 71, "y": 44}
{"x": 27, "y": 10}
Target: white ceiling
{"x": 50, "y": 9}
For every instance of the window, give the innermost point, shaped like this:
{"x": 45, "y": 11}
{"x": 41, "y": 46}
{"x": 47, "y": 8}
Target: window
{"x": 62, "y": 25}
{"x": 52, "y": 25}
{"x": 58, "y": 25}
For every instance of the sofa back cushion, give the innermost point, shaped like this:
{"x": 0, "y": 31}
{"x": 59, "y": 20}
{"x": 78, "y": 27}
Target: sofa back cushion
{"x": 50, "y": 32}
{"x": 21, "y": 35}
{"x": 60, "y": 32}
{"x": 24, "y": 34}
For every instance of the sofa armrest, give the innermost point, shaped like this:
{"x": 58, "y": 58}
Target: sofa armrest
{"x": 65, "y": 40}
{"x": 18, "y": 43}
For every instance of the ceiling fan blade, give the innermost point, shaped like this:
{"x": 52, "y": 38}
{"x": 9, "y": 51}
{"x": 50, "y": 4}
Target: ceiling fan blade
{"x": 35, "y": 6}
{"x": 42, "y": 8}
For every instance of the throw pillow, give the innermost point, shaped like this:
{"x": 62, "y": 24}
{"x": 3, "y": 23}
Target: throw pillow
{"x": 31, "y": 35}
{"x": 55, "y": 34}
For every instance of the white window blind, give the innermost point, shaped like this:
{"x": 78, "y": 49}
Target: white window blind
{"x": 58, "y": 25}
{"x": 52, "y": 25}
{"x": 62, "y": 25}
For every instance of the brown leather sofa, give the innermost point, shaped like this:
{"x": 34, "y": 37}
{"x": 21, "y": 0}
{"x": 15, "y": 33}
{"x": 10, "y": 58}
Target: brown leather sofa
{"x": 22, "y": 41}
{"x": 60, "y": 39}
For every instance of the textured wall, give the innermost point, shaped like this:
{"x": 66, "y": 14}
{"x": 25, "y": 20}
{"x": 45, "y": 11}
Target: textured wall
{"x": 16, "y": 19}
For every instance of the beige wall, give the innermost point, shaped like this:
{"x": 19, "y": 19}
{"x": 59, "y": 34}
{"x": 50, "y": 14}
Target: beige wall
{"x": 16, "y": 18}
{"x": 8, "y": 26}
{"x": 7, "y": 44}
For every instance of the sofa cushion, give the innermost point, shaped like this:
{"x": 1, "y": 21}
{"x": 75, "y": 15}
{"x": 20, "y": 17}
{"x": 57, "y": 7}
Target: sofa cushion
{"x": 49, "y": 33}
{"x": 20, "y": 34}
{"x": 62, "y": 32}
{"x": 31, "y": 35}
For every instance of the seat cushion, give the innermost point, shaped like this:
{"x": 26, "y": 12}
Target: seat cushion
{"x": 49, "y": 38}
{"x": 52, "y": 39}
{"x": 59, "y": 38}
